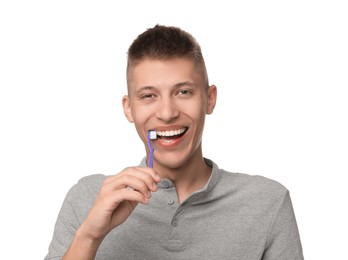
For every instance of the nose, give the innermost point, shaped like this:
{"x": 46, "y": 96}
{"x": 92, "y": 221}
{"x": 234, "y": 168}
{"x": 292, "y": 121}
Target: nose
{"x": 167, "y": 110}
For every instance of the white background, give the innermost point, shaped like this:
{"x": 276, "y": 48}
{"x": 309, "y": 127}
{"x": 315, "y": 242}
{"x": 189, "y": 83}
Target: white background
{"x": 281, "y": 71}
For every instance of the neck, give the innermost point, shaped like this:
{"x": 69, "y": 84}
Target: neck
{"x": 189, "y": 178}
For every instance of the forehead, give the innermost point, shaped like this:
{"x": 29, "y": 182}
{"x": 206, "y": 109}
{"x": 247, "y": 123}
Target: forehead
{"x": 154, "y": 72}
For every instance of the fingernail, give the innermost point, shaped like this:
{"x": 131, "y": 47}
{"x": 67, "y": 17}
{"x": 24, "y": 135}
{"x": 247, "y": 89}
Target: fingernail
{"x": 154, "y": 186}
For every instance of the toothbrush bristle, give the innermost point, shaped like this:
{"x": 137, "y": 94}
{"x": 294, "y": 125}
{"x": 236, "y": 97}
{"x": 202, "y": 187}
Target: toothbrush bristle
{"x": 153, "y": 135}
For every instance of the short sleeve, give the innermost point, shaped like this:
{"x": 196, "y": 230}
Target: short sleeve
{"x": 283, "y": 239}
{"x": 65, "y": 228}
{"x": 73, "y": 212}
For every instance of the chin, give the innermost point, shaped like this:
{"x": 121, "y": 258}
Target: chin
{"x": 172, "y": 163}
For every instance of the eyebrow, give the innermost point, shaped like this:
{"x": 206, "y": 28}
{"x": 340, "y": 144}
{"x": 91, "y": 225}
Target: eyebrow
{"x": 185, "y": 83}
{"x": 137, "y": 92}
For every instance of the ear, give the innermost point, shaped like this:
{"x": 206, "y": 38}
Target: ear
{"x": 127, "y": 109}
{"x": 212, "y": 95}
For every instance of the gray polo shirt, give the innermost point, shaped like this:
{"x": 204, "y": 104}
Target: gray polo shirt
{"x": 235, "y": 216}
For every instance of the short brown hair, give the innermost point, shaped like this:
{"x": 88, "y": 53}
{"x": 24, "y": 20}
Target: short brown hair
{"x": 163, "y": 43}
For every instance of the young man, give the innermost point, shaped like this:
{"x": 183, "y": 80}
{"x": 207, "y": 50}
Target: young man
{"x": 185, "y": 207}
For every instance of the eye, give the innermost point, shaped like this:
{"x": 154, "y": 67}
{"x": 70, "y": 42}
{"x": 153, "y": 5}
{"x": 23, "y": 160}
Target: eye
{"x": 185, "y": 92}
{"x": 147, "y": 96}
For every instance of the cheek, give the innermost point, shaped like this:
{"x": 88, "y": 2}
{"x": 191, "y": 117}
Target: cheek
{"x": 195, "y": 110}
{"x": 140, "y": 115}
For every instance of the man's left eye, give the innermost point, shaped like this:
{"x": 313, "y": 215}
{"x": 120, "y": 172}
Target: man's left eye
{"x": 184, "y": 92}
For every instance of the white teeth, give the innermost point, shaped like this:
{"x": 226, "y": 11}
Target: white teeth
{"x": 171, "y": 133}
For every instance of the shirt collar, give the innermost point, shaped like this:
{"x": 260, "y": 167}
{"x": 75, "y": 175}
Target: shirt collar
{"x": 213, "y": 179}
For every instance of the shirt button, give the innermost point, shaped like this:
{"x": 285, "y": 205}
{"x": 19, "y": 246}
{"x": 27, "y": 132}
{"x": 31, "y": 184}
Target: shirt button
{"x": 175, "y": 223}
{"x": 171, "y": 202}
{"x": 166, "y": 184}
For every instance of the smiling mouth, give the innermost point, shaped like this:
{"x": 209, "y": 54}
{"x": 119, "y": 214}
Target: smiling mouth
{"x": 172, "y": 134}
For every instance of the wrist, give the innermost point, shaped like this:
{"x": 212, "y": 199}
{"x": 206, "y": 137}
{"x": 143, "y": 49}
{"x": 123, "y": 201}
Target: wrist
{"x": 83, "y": 246}
{"x": 86, "y": 235}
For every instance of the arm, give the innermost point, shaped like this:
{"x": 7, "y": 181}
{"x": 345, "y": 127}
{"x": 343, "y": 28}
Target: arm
{"x": 83, "y": 246}
{"x": 112, "y": 206}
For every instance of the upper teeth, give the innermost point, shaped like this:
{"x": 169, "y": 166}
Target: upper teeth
{"x": 171, "y": 133}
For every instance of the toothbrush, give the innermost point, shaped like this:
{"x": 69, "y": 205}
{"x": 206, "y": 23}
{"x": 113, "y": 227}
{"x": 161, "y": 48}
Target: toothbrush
{"x": 151, "y": 135}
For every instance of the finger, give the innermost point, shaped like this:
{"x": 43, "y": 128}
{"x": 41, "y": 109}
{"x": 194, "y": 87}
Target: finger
{"x": 129, "y": 195}
{"x": 109, "y": 197}
{"x": 143, "y": 170}
{"x": 128, "y": 180}
{"x": 148, "y": 175}
{"x": 151, "y": 172}
{"x": 134, "y": 195}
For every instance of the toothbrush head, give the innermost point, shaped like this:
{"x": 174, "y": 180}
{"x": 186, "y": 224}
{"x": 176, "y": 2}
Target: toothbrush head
{"x": 152, "y": 135}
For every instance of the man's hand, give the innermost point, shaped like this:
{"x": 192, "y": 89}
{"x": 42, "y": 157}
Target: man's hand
{"x": 117, "y": 198}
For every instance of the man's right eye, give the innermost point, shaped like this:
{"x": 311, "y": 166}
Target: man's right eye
{"x": 147, "y": 96}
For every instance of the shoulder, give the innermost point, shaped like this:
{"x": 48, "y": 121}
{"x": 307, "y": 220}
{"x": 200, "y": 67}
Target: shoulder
{"x": 253, "y": 189}
{"x": 86, "y": 188}
{"x": 92, "y": 180}
{"x": 245, "y": 185}
{"x": 255, "y": 183}
{"x": 79, "y": 199}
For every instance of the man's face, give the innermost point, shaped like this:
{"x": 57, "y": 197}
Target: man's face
{"x": 172, "y": 98}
